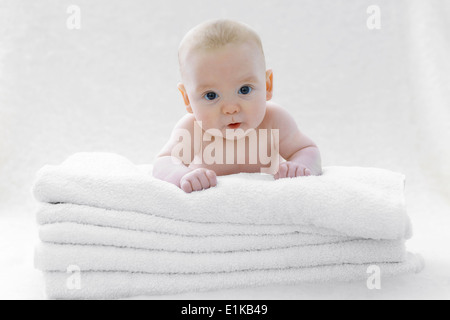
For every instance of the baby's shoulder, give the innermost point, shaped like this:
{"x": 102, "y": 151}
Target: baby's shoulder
{"x": 275, "y": 115}
{"x": 187, "y": 122}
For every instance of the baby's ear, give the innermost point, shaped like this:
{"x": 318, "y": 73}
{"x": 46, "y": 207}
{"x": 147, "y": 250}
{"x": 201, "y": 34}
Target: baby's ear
{"x": 269, "y": 84}
{"x": 185, "y": 97}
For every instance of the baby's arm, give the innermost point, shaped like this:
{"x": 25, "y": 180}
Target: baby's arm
{"x": 301, "y": 153}
{"x": 174, "y": 169}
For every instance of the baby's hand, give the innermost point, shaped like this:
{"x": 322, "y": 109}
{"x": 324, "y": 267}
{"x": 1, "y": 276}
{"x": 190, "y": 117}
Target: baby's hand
{"x": 197, "y": 180}
{"x": 291, "y": 170}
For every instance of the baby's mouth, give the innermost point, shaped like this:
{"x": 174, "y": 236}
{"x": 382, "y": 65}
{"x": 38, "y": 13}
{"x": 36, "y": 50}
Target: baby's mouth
{"x": 234, "y": 126}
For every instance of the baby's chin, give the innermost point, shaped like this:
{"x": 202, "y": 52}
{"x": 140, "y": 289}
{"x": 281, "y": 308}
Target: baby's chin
{"x": 237, "y": 133}
{"x": 228, "y": 132}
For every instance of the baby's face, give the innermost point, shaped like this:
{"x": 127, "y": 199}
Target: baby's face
{"x": 227, "y": 86}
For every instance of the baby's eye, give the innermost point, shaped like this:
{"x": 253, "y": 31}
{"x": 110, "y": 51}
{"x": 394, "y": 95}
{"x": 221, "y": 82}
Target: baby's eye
{"x": 210, "y": 96}
{"x": 245, "y": 90}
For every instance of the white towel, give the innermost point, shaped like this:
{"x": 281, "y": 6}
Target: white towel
{"x": 74, "y": 233}
{"x": 113, "y": 285}
{"x": 54, "y": 257}
{"x": 128, "y": 220}
{"x": 131, "y": 234}
{"x": 357, "y": 202}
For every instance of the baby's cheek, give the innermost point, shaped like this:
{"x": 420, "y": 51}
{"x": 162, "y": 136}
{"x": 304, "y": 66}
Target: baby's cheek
{"x": 201, "y": 115}
{"x": 210, "y": 119}
{"x": 206, "y": 120}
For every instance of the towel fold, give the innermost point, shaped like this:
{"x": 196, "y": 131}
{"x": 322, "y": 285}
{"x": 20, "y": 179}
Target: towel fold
{"x": 54, "y": 257}
{"x": 113, "y": 285}
{"x": 357, "y": 202}
{"x": 78, "y": 234}
{"x": 128, "y": 220}
{"x": 130, "y": 234}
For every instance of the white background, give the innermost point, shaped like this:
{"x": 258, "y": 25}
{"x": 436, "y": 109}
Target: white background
{"x": 367, "y": 98}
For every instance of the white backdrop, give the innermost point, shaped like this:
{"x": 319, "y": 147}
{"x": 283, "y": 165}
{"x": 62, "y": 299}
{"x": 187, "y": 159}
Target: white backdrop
{"x": 376, "y": 98}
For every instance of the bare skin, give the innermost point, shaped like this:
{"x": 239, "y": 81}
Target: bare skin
{"x": 224, "y": 90}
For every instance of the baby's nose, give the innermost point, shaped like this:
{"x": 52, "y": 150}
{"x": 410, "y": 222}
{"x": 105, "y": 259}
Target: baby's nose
{"x": 231, "y": 108}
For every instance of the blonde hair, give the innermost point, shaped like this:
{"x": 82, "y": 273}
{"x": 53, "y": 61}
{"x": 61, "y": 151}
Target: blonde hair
{"x": 215, "y": 34}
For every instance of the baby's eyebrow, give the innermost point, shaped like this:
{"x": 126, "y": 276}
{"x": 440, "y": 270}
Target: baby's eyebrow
{"x": 203, "y": 87}
{"x": 249, "y": 79}
{"x": 245, "y": 79}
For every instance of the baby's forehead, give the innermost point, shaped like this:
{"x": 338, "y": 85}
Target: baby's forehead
{"x": 234, "y": 60}
{"x": 226, "y": 53}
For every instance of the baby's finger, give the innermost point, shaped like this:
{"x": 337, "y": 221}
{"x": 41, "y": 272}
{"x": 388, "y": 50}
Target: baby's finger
{"x": 300, "y": 172}
{"x": 292, "y": 171}
{"x": 307, "y": 172}
{"x": 186, "y": 186}
{"x": 297, "y": 171}
{"x": 282, "y": 171}
{"x": 212, "y": 178}
{"x": 196, "y": 185}
{"x": 204, "y": 181}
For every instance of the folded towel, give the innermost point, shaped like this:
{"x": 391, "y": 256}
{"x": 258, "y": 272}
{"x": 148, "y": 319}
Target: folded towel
{"x": 131, "y": 234}
{"x": 113, "y": 285}
{"x": 353, "y": 201}
{"x": 54, "y": 257}
{"x": 74, "y": 233}
{"x": 128, "y": 220}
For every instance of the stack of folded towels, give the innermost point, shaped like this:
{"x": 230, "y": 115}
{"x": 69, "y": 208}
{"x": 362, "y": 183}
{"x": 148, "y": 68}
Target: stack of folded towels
{"x": 129, "y": 234}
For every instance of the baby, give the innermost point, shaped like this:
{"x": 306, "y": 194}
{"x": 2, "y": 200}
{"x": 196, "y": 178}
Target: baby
{"x": 230, "y": 119}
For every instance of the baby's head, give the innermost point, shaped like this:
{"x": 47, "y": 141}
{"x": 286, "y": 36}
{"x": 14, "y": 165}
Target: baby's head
{"x": 224, "y": 77}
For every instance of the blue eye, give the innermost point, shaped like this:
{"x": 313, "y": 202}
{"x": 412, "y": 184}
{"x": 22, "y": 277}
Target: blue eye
{"x": 245, "y": 90}
{"x": 210, "y": 96}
